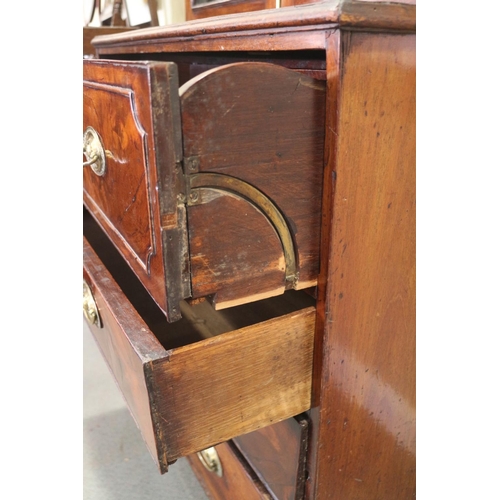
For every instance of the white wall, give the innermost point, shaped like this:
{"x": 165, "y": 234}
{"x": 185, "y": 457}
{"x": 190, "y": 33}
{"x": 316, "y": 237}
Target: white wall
{"x": 172, "y": 11}
{"x": 169, "y": 11}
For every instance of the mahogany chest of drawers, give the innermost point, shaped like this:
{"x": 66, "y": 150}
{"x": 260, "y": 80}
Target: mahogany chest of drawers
{"x": 249, "y": 250}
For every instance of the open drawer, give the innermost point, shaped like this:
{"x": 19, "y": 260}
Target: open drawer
{"x": 212, "y": 189}
{"x": 186, "y": 389}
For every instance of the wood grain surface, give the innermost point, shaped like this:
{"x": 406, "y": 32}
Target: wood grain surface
{"x": 194, "y": 396}
{"x": 125, "y": 341}
{"x": 299, "y": 27}
{"x": 257, "y": 122}
{"x": 263, "y": 124}
{"x": 219, "y": 388}
{"x": 277, "y": 453}
{"x": 236, "y": 255}
{"x": 362, "y": 435}
{"x": 365, "y": 443}
{"x": 134, "y": 107}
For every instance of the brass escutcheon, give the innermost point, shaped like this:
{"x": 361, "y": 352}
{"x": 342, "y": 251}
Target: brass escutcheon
{"x": 210, "y": 459}
{"x": 94, "y": 151}
{"x": 90, "y": 307}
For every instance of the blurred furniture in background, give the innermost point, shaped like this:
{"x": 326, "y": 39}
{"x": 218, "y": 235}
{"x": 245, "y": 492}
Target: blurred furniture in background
{"x": 198, "y": 9}
{"x": 113, "y": 17}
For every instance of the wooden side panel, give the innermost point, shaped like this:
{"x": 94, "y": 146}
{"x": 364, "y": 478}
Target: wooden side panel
{"x": 331, "y": 134}
{"x": 263, "y": 124}
{"x": 366, "y": 400}
{"x": 237, "y": 481}
{"x": 235, "y": 383}
{"x": 125, "y": 341}
{"x": 277, "y": 453}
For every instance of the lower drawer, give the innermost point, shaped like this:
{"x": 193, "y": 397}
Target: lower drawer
{"x": 211, "y": 376}
{"x": 225, "y": 475}
{"x": 277, "y": 454}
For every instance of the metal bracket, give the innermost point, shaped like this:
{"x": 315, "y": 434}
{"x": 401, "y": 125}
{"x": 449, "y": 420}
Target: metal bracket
{"x": 259, "y": 200}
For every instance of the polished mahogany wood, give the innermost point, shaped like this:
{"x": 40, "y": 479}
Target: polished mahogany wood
{"x": 238, "y": 479}
{"x": 332, "y": 81}
{"x": 125, "y": 342}
{"x": 368, "y": 14}
{"x": 290, "y": 28}
{"x": 134, "y": 107}
{"x": 200, "y": 10}
{"x": 257, "y": 123}
{"x": 364, "y": 445}
{"x": 362, "y": 427}
{"x": 194, "y": 396}
{"x": 277, "y": 453}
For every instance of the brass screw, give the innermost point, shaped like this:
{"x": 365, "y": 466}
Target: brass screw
{"x": 194, "y": 163}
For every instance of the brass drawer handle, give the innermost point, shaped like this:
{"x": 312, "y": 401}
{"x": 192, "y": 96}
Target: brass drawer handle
{"x": 210, "y": 459}
{"x": 94, "y": 151}
{"x": 90, "y": 162}
{"x": 90, "y": 307}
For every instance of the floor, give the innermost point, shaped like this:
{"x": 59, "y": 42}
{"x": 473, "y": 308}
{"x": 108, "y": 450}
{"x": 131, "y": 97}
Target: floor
{"x": 116, "y": 462}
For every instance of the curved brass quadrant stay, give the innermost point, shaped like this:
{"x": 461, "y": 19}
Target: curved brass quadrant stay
{"x": 248, "y": 192}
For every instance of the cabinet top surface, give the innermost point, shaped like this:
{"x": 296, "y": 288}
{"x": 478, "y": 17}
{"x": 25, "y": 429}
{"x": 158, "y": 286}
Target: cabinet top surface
{"x": 294, "y": 23}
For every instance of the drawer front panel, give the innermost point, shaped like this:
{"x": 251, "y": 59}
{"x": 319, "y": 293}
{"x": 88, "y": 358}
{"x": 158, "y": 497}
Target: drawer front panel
{"x": 134, "y": 110}
{"x": 191, "y": 397}
{"x": 232, "y": 479}
{"x": 122, "y": 194}
{"x": 277, "y": 454}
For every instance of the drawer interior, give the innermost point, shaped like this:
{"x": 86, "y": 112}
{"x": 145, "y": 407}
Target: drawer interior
{"x": 199, "y": 319}
{"x": 207, "y": 378}
{"x": 191, "y": 64}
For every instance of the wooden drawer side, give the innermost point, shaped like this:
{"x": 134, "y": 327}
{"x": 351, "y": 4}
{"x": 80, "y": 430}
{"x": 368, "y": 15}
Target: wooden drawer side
{"x": 188, "y": 397}
{"x": 253, "y": 141}
{"x": 211, "y": 190}
{"x": 277, "y": 454}
{"x": 234, "y": 383}
{"x": 125, "y": 342}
